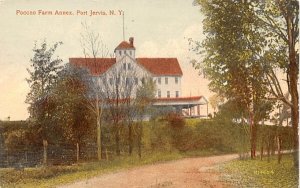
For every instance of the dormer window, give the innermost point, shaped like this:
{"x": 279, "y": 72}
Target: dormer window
{"x": 120, "y": 52}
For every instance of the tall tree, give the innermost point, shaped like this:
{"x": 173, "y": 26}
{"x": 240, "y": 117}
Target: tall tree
{"x": 43, "y": 75}
{"x": 273, "y": 35}
{"x": 231, "y": 61}
{"x": 93, "y": 47}
{"x": 117, "y": 91}
{"x": 280, "y": 24}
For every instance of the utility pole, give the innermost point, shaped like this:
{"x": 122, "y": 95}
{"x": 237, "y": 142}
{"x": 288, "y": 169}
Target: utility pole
{"x": 123, "y": 27}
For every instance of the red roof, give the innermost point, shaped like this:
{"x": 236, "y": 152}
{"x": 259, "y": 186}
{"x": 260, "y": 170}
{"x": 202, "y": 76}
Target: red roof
{"x": 95, "y": 66}
{"x": 125, "y": 45}
{"x": 156, "y": 66}
{"x": 196, "y": 98}
{"x": 161, "y": 66}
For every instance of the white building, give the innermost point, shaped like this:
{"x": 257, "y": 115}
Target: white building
{"x": 165, "y": 72}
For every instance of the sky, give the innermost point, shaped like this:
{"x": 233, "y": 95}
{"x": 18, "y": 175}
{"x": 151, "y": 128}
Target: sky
{"x": 160, "y": 29}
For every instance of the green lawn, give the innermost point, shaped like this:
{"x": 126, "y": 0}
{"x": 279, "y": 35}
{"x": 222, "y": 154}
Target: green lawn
{"x": 257, "y": 173}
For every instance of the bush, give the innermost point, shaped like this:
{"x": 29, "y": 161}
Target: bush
{"x": 176, "y": 121}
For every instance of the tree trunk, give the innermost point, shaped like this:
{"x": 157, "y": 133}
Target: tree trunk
{"x": 106, "y": 154}
{"x": 117, "y": 138}
{"x": 293, "y": 71}
{"x": 99, "y": 152}
{"x": 130, "y": 140}
{"x": 45, "y": 146}
{"x": 77, "y": 152}
{"x": 140, "y": 141}
{"x": 295, "y": 122}
{"x": 279, "y": 149}
{"x": 253, "y": 129}
{"x": 272, "y": 146}
{"x": 261, "y": 152}
{"x": 268, "y": 150}
{"x": 98, "y": 119}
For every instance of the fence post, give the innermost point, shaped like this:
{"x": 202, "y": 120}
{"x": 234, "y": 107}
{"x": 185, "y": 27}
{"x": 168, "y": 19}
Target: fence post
{"x": 77, "y": 151}
{"x": 45, "y": 144}
{"x": 7, "y": 158}
{"x": 26, "y": 157}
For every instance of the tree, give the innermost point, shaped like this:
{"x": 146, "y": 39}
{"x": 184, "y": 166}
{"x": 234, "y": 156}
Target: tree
{"x": 274, "y": 35}
{"x": 215, "y": 101}
{"x": 118, "y": 88}
{"x": 145, "y": 94}
{"x": 72, "y": 114}
{"x": 43, "y": 75}
{"x": 231, "y": 62}
{"x": 92, "y": 47}
{"x": 280, "y": 23}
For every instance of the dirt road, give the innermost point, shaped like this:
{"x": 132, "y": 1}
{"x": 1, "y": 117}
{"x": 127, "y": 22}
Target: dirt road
{"x": 190, "y": 172}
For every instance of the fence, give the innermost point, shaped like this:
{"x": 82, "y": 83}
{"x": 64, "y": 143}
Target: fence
{"x": 56, "y": 155}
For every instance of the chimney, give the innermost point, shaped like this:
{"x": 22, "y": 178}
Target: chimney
{"x": 131, "y": 39}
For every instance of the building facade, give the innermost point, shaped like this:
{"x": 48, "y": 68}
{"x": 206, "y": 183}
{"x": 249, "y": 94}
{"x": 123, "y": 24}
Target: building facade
{"x": 165, "y": 72}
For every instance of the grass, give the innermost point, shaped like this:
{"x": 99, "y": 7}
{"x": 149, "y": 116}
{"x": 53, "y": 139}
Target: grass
{"x": 57, "y": 175}
{"x": 193, "y": 122}
{"x": 257, "y": 173}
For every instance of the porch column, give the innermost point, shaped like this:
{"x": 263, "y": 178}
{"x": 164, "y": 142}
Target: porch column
{"x": 207, "y": 110}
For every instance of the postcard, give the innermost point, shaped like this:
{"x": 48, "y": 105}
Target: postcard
{"x": 137, "y": 93}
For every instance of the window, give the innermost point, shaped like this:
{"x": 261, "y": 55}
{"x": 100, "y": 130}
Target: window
{"x": 166, "y": 80}
{"x": 143, "y": 80}
{"x": 159, "y": 80}
{"x": 129, "y": 66}
{"x": 127, "y": 81}
{"x": 130, "y": 52}
{"x": 168, "y": 94}
{"x": 136, "y": 80}
{"x": 159, "y": 94}
{"x": 124, "y": 66}
{"x": 110, "y": 81}
{"x": 125, "y": 52}
{"x": 176, "y": 80}
{"x": 177, "y": 94}
{"x": 120, "y": 52}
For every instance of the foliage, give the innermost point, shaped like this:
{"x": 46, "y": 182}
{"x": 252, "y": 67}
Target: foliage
{"x": 43, "y": 75}
{"x": 176, "y": 121}
{"x": 71, "y": 112}
{"x": 246, "y": 43}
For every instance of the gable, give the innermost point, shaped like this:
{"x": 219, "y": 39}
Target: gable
{"x": 124, "y": 45}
